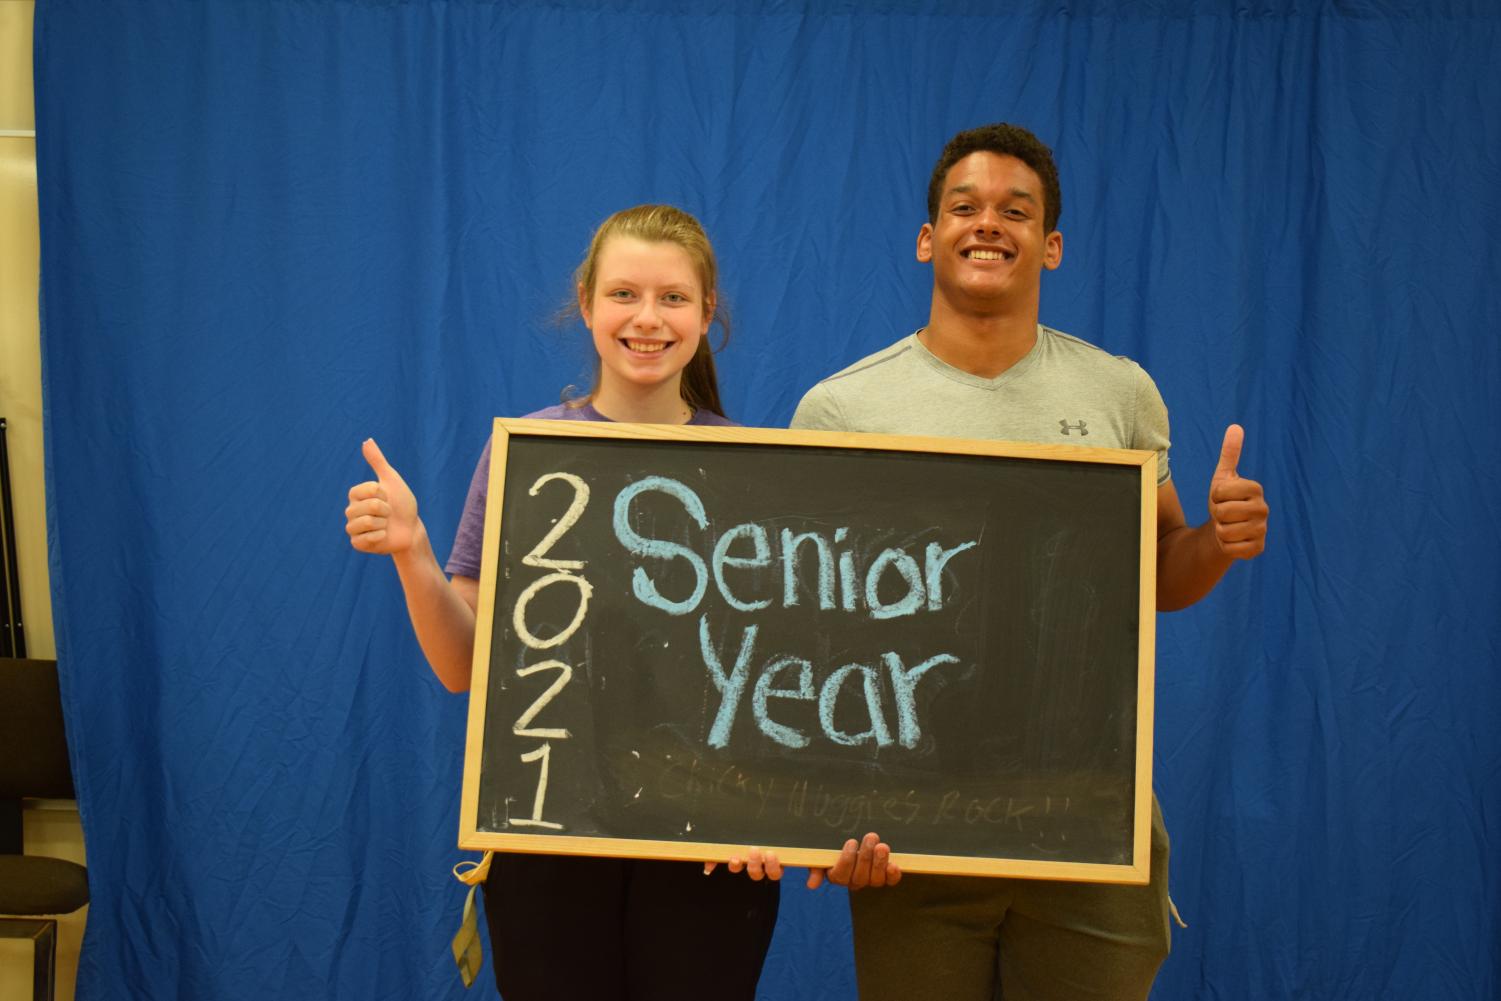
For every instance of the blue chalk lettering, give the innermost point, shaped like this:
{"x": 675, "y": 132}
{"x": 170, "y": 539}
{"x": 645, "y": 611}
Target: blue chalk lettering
{"x": 784, "y": 735}
{"x": 830, "y": 694}
{"x": 934, "y": 558}
{"x": 730, "y": 685}
{"x": 790, "y": 544}
{"x": 642, "y": 585}
{"x": 722, "y": 559}
{"x": 907, "y": 567}
{"x": 903, "y": 682}
{"x": 847, "y": 590}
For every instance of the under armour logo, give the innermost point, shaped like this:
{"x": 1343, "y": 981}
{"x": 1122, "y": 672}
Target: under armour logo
{"x": 1065, "y": 427}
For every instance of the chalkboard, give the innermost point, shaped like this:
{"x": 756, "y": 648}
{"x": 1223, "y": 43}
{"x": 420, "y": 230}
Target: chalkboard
{"x": 695, "y": 640}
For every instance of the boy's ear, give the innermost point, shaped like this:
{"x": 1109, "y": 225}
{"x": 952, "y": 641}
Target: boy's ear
{"x": 1052, "y": 250}
{"x": 925, "y": 243}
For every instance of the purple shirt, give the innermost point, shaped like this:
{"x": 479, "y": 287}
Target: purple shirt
{"x": 468, "y": 542}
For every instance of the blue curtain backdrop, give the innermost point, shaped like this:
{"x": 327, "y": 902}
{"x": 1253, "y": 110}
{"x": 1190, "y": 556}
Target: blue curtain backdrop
{"x": 272, "y": 229}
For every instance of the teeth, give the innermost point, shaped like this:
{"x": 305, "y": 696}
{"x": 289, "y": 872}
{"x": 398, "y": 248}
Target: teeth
{"x": 985, "y": 255}
{"x": 645, "y": 347}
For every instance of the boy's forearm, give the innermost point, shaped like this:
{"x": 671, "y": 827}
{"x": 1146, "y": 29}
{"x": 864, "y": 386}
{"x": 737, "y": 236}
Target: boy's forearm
{"x": 1189, "y": 564}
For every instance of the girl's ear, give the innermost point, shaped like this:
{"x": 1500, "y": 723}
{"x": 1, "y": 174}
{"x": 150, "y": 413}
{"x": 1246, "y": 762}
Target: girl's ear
{"x": 710, "y": 304}
{"x": 584, "y": 305}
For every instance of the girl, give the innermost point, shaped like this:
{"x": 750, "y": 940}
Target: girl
{"x": 636, "y": 930}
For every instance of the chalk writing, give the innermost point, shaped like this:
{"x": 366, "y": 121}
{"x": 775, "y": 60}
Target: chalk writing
{"x": 565, "y": 572}
{"x": 731, "y": 686}
{"x": 921, "y": 583}
{"x": 719, "y": 642}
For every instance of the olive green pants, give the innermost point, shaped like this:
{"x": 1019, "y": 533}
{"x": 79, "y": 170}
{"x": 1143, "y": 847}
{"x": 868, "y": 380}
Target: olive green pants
{"x": 974, "y": 938}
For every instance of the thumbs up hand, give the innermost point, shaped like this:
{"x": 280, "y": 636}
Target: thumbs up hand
{"x": 1236, "y": 505}
{"x": 382, "y": 513}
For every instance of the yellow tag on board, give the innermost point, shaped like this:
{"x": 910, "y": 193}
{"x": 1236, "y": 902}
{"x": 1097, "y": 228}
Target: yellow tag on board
{"x": 476, "y": 873}
{"x": 468, "y": 954}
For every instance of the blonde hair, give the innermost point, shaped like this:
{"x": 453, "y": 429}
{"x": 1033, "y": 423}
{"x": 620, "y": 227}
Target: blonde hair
{"x": 665, "y": 224}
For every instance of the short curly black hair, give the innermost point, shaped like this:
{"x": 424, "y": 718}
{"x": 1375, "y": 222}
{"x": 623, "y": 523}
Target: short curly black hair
{"x": 1006, "y": 140}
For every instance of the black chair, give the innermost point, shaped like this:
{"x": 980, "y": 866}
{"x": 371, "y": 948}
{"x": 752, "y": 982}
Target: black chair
{"x": 34, "y": 763}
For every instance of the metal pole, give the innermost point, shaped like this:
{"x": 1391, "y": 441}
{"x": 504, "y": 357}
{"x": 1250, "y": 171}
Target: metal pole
{"x": 12, "y": 637}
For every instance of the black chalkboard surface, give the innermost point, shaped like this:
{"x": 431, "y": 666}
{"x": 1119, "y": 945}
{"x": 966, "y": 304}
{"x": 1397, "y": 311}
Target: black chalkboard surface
{"x": 696, "y": 640}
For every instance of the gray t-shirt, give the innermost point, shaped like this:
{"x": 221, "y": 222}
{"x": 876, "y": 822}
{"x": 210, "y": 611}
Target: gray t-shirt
{"x": 1063, "y": 391}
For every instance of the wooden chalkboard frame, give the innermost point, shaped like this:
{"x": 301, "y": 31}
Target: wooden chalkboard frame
{"x": 473, "y": 838}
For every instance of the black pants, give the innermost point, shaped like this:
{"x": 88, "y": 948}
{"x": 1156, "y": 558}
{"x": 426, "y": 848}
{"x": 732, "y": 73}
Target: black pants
{"x": 568, "y": 928}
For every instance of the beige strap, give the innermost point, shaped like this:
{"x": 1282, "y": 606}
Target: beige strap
{"x": 477, "y": 872}
{"x": 468, "y": 951}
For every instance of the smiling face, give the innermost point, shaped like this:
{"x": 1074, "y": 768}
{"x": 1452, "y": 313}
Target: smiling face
{"x": 989, "y": 244}
{"x": 647, "y": 312}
